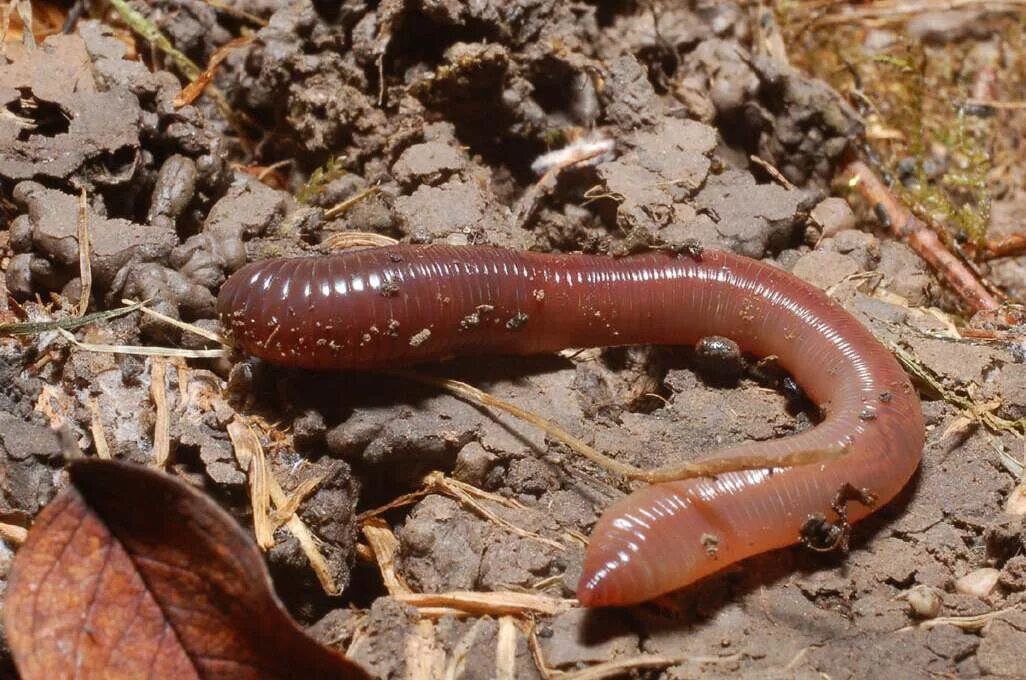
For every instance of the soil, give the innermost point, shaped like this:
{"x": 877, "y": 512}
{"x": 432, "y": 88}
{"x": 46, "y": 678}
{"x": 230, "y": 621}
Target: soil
{"x": 427, "y": 118}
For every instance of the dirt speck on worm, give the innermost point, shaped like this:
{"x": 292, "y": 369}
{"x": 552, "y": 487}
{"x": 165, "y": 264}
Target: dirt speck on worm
{"x": 518, "y": 320}
{"x": 420, "y": 337}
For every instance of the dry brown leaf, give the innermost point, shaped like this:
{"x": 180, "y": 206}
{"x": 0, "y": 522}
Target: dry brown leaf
{"x": 131, "y": 573}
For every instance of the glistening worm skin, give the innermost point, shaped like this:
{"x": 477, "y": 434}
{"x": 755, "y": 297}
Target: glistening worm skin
{"x": 384, "y": 307}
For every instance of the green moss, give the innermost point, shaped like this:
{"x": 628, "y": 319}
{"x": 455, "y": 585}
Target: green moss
{"x": 910, "y": 95}
{"x": 320, "y": 178}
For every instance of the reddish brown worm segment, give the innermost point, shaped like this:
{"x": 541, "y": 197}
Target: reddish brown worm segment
{"x": 384, "y": 307}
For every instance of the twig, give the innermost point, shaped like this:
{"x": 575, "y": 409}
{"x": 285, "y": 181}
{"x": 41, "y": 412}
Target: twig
{"x": 194, "y": 89}
{"x": 772, "y": 171}
{"x": 84, "y": 248}
{"x": 920, "y": 238}
{"x": 1013, "y": 244}
{"x": 706, "y": 468}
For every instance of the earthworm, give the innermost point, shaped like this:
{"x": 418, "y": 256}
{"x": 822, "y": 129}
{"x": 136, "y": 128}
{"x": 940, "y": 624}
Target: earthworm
{"x": 399, "y": 305}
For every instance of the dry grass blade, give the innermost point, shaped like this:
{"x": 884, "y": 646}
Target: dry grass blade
{"x": 385, "y": 546}
{"x": 250, "y": 455}
{"x": 265, "y": 489}
{"x": 24, "y": 10}
{"x": 162, "y": 424}
{"x": 613, "y": 669}
{"x": 306, "y": 539}
{"x": 282, "y": 513}
{"x": 994, "y": 104}
{"x": 265, "y": 486}
{"x": 342, "y": 207}
{"x": 902, "y": 10}
{"x": 957, "y": 396}
{"x": 146, "y": 351}
{"x": 448, "y": 485}
{"x": 461, "y": 492}
{"x": 489, "y": 604}
{"x": 706, "y": 468}
{"x": 425, "y": 660}
{"x": 460, "y": 656}
{"x": 36, "y": 327}
{"x": 399, "y": 502}
{"x": 356, "y": 239}
{"x": 964, "y": 622}
{"x": 84, "y": 249}
{"x": 506, "y": 649}
{"x": 197, "y": 330}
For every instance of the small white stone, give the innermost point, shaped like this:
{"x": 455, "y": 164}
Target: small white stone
{"x": 1016, "y": 503}
{"x": 979, "y": 583}
{"x": 924, "y": 601}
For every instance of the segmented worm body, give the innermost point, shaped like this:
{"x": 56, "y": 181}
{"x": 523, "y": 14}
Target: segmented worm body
{"x": 389, "y": 306}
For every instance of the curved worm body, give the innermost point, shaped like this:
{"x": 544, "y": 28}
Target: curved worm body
{"x": 384, "y": 307}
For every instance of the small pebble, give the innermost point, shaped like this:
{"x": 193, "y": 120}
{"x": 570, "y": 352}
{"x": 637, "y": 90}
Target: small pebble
{"x": 833, "y": 215}
{"x": 979, "y": 583}
{"x": 1016, "y": 503}
{"x": 924, "y": 601}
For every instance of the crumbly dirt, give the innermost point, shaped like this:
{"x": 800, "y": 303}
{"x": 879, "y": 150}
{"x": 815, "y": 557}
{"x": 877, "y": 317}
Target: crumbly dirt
{"x": 424, "y": 119}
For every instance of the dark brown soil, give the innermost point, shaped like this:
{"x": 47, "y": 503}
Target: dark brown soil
{"x": 443, "y": 107}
